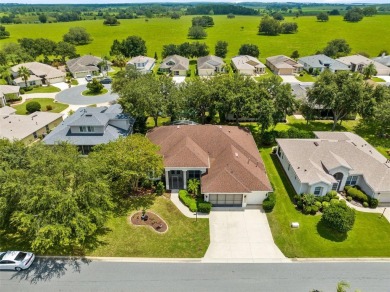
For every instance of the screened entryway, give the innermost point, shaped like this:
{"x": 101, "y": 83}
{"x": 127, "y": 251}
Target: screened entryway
{"x": 338, "y": 177}
{"x": 226, "y": 200}
{"x": 176, "y": 180}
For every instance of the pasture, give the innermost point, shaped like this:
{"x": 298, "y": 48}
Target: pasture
{"x": 370, "y": 35}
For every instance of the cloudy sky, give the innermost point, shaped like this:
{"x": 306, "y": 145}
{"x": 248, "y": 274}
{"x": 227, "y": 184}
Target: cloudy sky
{"x": 181, "y": 1}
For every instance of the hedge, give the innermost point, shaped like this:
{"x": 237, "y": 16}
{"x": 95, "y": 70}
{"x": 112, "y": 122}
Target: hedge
{"x": 269, "y": 203}
{"x": 187, "y": 200}
{"x": 204, "y": 207}
{"x": 357, "y": 195}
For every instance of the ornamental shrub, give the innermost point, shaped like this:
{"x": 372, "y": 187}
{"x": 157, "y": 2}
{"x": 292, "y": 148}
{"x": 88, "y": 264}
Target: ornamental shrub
{"x": 332, "y": 194}
{"x": 334, "y": 201}
{"x": 357, "y": 195}
{"x": 339, "y": 217}
{"x": 325, "y": 205}
{"x": 365, "y": 204}
{"x": 349, "y": 198}
{"x": 160, "y": 188}
{"x": 204, "y": 207}
{"x": 33, "y": 106}
{"x": 373, "y": 203}
{"x": 318, "y": 204}
{"x": 49, "y": 107}
{"x": 314, "y": 210}
{"x": 307, "y": 209}
{"x": 269, "y": 203}
{"x": 187, "y": 200}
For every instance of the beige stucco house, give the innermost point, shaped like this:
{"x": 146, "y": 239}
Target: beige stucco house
{"x": 176, "y": 65}
{"x": 247, "y": 65}
{"x": 210, "y": 65}
{"x": 39, "y": 74}
{"x": 283, "y": 65}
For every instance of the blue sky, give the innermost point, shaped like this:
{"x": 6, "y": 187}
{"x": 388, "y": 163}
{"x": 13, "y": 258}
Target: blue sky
{"x": 180, "y": 1}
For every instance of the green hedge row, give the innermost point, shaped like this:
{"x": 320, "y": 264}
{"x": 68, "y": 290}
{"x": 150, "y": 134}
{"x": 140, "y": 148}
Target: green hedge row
{"x": 190, "y": 202}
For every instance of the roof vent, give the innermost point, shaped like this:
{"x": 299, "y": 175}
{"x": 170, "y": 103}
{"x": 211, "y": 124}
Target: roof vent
{"x": 178, "y": 127}
{"x": 236, "y": 154}
{"x": 88, "y": 115}
{"x": 316, "y": 143}
{"x": 220, "y": 127}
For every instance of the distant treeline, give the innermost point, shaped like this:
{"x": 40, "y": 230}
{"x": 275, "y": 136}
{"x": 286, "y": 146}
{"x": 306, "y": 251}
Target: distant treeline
{"x": 221, "y": 9}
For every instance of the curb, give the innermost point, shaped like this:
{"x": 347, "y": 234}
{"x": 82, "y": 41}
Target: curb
{"x": 126, "y": 259}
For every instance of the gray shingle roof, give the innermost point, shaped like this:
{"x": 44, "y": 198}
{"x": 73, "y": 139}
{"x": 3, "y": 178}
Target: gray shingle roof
{"x": 209, "y": 62}
{"x": 310, "y": 157}
{"x": 384, "y": 60}
{"x": 243, "y": 62}
{"x": 180, "y": 63}
{"x": 40, "y": 69}
{"x": 89, "y": 116}
{"x": 323, "y": 61}
{"x": 282, "y": 61}
{"x": 84, "y": 63}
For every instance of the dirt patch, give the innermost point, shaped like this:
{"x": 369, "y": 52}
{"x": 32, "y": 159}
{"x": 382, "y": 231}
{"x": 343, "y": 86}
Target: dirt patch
{"x": 151, "y": 220}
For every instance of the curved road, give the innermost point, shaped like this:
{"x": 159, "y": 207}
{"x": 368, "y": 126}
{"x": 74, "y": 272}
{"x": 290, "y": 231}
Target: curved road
{"x": 73, "y": 96}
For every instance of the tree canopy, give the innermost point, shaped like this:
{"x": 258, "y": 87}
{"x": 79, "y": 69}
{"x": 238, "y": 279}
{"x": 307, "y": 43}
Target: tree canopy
{"x": 337, "y": 48}
{"x": 132, "y": 46}
{"x": 221, "y": 49}
{"x": 197, "y": 32}
{"x": 77, "y": 36}
{"x": 323, "y": 16}
{"x": 249, "y": 49}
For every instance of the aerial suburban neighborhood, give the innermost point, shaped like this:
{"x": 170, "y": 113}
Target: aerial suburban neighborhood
{"x": 216, "y": 133}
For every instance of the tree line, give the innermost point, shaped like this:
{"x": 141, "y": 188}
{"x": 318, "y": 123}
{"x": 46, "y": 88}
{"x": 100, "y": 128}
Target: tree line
{"x": 52, "y": 200}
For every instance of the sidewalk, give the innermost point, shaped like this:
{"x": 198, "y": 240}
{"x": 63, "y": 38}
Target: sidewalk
{"x": 378, "y": 210}
{"x": 183, "y": 209}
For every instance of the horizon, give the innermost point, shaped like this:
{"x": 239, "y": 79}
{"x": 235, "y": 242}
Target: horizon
{"x": 33, "y": 2}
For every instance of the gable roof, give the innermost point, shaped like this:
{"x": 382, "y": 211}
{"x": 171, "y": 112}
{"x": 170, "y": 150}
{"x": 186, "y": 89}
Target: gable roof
{"x": 323, "y": 61}
{"x": 359, "y": 59}
{"x": 84, "y": 63}
{"x": 40, "y": 69}
{"x": 9, "y": 89}
{"x": 312, "y": 158}
{"x": 384, "y": 60}
{"x": 229, "y": 153}
{"x": 209, "y": 62}
{"x": 245, "y": 62}
{"x": 7, "y": 110}
{"x": 90, "y": 116}
{"x": 180, "y": 63}
{"x": 282, "y": 62}
{"x": 141, "y": 59}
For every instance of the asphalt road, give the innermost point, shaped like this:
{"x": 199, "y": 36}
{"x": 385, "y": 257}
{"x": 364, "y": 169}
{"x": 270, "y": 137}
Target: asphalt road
{"x": 73, "y": 96}
{"x": 86, "y": 275}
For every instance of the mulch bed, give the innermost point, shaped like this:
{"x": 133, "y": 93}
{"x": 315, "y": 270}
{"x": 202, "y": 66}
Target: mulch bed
{"x": 151, "y": 220}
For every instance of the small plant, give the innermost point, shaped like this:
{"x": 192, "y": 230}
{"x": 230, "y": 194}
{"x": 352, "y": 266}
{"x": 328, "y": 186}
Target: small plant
{"x": 373, "y": 203}
{"x": 49, "y": 107}
{"x": 33, "y": 106}
{"x": 269, "y": 202}
{"x": 160, "y": 188}
{"x": 365, "y": 204}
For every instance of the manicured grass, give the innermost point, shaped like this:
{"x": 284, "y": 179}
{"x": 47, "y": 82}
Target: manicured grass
{"x": 306, "y": 77}
{"x": 57, "y": 107}
{"x": 185, "y": 237}
{"x": 377, "y": 79}
{"x": 369, "y": 35}
{"x": 88, "y": 93}
{"x": 74, "y": 82}
{"x": 268, "y": 74}
{"x": 43, "y": 89}
{"x": 162, "y": 121}
{"x": 370, "y": 236}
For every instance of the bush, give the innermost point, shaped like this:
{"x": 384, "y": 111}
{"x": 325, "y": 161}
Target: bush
{"x": 318, "y": 204}
{"x": 33, "y": 106}
{"x": 325, "y": 205}
{"x": 300, "y": 204}
{"x": 28, "y": 88}
{"x": 204, "y": 207}
{"x": 339, "y": 217}
{"x": 346, "y": 188}
{"x": 349, "y": 198}
{"x": 187, "y": 200}
{"x": 49, "y": 107}
{"x": 314, "y": 210}
{"x": 307, "y": 209}
{"x": 357, "y": 195}
{"x": 332, "y": 194}
{"x": 95, "y": 86}
{"x": 326, "y": 198}
{"x": 373, "y": 203}
{"x": 160, "y": 188}
{"x": 22, "y": 91}
{"x": 334, "y": 201}
{"x": 365, "y": 204}
{"x": 269, "y": 202}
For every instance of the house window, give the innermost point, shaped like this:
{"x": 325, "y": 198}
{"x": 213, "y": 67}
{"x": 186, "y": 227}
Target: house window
{"x": 87, "y": 129}
{"x": 351, "y": 180}
{"x": 32, "y": 83}
{"x": 335, "y": 186}
{"x": 176, "y": 73}
{"x": 175, "y": 172}
{"x": 194, "y": 174}
{"x": 317, "y": 191}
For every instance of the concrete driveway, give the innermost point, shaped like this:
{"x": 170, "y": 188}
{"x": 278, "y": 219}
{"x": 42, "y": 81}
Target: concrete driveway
{"x": 289, "y": 79}
{"x": 241, "y": 236}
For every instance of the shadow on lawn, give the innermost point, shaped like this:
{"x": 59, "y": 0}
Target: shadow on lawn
{"x": 329, "y": 234}
{"x": 44, "y": 269}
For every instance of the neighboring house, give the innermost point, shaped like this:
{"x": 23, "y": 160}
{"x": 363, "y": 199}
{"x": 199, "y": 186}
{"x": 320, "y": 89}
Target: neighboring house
{"x": 142, "y": 63}
{"x": 356, "y": 63}
{"x": 283, "y": 65}
{"x": 384, "y": 60}
{"x": 209, "y": 65}
{"x": 27, "y": 128}
{"x": 90, "y": 126}
{"x": 321, "y": 62}
{"x": 247, "y": 65}
{"x": 333, "y": 161}
{"x": 40, "y": 74}
{"x": 299, "y": 90}
{"x": 175, "y": 64}
{"x": 8, "y": 92}
{"x": 224, "y": 158}
{"x": 86, "y": 65}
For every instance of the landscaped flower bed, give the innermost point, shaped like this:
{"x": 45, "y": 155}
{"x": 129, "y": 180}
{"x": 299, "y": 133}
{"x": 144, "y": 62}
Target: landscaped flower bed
{"x": 311, "y": 204}
{"x": 356, "y": 196}
{"x": 149, "y": 219}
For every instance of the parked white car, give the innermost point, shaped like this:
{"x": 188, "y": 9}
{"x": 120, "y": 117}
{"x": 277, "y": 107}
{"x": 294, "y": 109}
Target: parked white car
{"x": 88, "y": 78}
{"x": 16, "y": 260}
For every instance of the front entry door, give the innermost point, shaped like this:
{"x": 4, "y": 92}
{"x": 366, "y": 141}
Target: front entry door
{"x": 175, "y": 182}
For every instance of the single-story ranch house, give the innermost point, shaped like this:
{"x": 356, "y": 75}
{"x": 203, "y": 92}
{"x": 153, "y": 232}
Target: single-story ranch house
{"x": 8, "y": 92}
{"x": 283, "y": 65}
{"x": 26, "y": 128}
{"x": 356, "y": 63}
{"x": 90, "y": 126}
{"x": 40, "y": 74}
{"x": 142, "y": 63}
{"x": 224, "y": 158}
{"x": 332, "y": 161}
{"x": 86, "y": 65}
{"x": 321, "y": 62}
{"x": 209, "y": 65}
{"x": 247, "y": 65}
{"x": 176, "y": 65}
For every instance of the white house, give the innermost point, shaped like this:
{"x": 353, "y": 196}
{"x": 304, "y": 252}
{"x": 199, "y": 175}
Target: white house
{"x": 87, "y": 65}
{"x": 332, "y": 161}
{"x": 356, "y": 63}
{"x": 39, "y": 74}
{"x": 247, "y": 65}
{"x": 224, "y": 158}
{"x": 176, "y": 65}
{"x": 209, "y": 65}
{"x": 142, "y": 63}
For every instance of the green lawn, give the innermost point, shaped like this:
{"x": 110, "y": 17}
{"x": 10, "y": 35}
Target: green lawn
{"x": 88, "y": 93}
{"x": 185, "y": 237}
{"x": 306, "y": 77}
{"x": 268, "y": 74}
{"x": 43, "y": 89}
{"x": 377, "y": 79}
{"x": 370, "y": 35}
{"x": 370, "y": 236}
{"x": 57, "y": 107}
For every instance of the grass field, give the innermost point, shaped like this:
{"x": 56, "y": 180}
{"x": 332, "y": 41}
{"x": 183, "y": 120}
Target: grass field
{"x": 185, "y": 238}
{"x": 370, "y": 35}
{"x": 57, "y": 107}
{"x": 369, "y": 237}
{"x": 44, "y": 89}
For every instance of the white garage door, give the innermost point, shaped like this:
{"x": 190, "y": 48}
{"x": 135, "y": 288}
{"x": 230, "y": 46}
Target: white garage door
{"x": 384, "y": 198}
{"x": 255, "y": 198}
{"x": 226, "y": 200}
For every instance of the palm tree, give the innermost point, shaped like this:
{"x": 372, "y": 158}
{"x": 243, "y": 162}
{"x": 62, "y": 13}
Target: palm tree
{"x": 193, "y": 186}
{"x": 24, "y": 73}
{"x": 369, "y": 71}
{"x": 120, "y": 61}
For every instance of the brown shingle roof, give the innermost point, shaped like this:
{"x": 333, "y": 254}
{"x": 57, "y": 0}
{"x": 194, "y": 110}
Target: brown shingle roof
{"x": 230, "y": 154}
